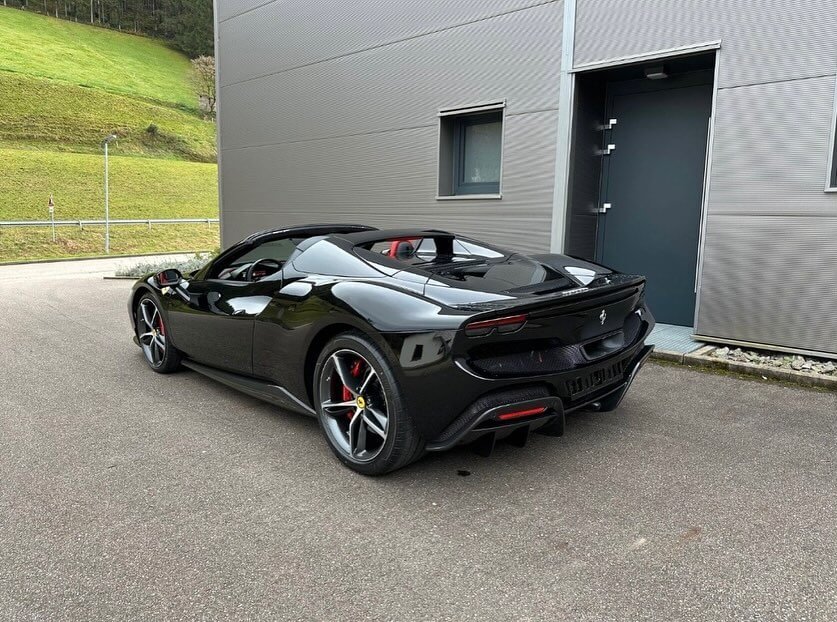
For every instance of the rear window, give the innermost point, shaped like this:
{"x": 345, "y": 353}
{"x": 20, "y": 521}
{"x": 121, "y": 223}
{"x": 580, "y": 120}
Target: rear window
{"x": 417, "y": 251}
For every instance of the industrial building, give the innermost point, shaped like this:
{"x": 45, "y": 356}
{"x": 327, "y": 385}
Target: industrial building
{"x": 690, "y": 141}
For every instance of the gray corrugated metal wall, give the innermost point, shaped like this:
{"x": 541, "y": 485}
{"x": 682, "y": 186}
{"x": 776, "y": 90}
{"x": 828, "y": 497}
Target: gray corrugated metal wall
{"x": 763, "y": 40}
{"x": 328, "y": 111}
{"x": 771, "y": 235}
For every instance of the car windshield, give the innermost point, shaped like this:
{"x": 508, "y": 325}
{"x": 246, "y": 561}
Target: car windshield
{"x": 271, "y": 255}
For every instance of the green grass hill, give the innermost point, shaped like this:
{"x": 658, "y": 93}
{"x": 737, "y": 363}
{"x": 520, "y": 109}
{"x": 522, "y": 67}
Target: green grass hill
{"x": 54, "y": 116}
{"x": 45, "y": 47}
{"x": 139, "y": 187}
{"x": 63, "y": 87}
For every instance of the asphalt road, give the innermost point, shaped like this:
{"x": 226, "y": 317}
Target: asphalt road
{"x": 127, "y": 495}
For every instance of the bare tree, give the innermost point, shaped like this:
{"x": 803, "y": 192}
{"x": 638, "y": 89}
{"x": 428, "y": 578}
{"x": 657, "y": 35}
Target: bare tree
{"x": 203, "y": 76}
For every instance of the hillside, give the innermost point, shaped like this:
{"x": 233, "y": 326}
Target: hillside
{"x": 139, "y": 187}
{"x": 45, "y": 47}
{"x": 64, "y": 87}
{"x": 55, "y": 116}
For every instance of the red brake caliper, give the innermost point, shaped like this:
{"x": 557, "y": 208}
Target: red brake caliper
{"x": 347, "y": 395}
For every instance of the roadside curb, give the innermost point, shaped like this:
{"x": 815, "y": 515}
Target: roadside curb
{"x": 120, "y": 278}
{"x": 699, "y": 358}
{"x": 667, "y": 355}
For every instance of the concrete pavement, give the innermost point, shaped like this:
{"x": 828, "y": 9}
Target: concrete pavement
{"x": 128, "y": 495}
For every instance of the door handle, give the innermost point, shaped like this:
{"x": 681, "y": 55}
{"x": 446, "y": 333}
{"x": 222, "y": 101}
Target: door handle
{"x": 605, "y": 206}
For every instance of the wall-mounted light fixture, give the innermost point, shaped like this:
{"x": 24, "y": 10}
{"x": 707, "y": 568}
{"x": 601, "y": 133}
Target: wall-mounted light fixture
{"x": 656, "y": 73}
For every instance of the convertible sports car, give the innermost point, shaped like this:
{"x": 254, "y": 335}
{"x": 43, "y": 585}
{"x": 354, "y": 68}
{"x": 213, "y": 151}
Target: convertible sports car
{"x": 402, "y": 341}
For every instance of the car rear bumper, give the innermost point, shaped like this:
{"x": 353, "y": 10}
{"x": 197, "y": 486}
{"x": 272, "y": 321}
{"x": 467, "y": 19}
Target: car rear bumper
{"x": 522, "y": 409}
{"x": 449, "y": 399}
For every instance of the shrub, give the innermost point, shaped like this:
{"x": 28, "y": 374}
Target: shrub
{"x": 190, "y": 265}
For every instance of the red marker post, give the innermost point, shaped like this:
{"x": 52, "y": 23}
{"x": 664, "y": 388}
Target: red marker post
{"x": 51, "y": 206}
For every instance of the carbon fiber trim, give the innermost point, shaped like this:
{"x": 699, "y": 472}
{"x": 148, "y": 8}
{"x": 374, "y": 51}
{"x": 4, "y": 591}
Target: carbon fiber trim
{"x": 487, "y": 402}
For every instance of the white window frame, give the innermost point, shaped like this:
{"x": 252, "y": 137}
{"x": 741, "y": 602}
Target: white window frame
{"x": 459, "y": 111}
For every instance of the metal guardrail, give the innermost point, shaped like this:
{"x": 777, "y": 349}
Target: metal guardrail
{"x": 81, "y": 223}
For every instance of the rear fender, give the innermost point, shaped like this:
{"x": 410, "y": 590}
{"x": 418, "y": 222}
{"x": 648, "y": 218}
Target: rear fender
{"x": 394, "y": 320}
{"x": 388, "y": 309}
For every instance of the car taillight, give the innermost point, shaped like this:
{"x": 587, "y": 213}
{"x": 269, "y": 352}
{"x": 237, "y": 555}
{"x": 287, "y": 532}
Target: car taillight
{"x": 503, "y": 325}
{"x": 519, "y": 414}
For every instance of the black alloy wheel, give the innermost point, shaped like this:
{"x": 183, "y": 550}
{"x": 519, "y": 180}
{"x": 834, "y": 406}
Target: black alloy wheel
{"x": 160, "y": 355}
{"x": 361, "y": 409}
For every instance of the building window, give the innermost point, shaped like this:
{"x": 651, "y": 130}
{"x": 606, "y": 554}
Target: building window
{"x": 470, "y": 151}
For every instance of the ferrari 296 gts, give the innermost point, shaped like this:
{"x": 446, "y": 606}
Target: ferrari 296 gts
{"x": 400, "y": 341}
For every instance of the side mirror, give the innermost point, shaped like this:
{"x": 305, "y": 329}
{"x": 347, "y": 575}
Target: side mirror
{"x": 168, "y": 278}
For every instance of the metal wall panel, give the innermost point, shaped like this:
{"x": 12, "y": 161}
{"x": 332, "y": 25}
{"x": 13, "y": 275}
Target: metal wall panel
{"x": 388, "y": 179}
{"x": 231, "y": 8}
{"x": 283, "y": 34}
{"x": 355, "y": 137}
{"x": 771, "y": 237}
{"x": 514, "y": 56}
{"x": 771, "y": 280}
{"x": 771, "y": 149}
{"x": 763, "y": 40}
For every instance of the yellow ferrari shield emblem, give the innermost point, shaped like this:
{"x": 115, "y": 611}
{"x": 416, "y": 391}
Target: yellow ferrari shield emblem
{"x": 361, "y": 403}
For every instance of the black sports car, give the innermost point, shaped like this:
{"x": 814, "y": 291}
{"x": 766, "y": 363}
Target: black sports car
{"x": 401, "y": 341}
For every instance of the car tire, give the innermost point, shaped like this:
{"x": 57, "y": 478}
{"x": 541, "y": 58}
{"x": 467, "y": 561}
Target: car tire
{"x": 361, "y": 407}
{"x": 157, "y": 348}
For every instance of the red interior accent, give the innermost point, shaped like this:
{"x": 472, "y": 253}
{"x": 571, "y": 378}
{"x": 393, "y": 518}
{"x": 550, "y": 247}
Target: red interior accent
{"x": 393, "y": 245}
{"x": 519, "y": 414}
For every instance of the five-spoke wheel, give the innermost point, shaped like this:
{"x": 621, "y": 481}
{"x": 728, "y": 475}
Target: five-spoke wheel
{"x": 361, "y": 408}
{"x": 151, "y": 332}
{"x": 355, "y": 404}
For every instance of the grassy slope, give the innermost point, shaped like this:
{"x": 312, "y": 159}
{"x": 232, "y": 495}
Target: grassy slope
{"x": 36, "y": 243}
{"x": 49, "y": 115}
{"x": 46, "y": 47}
{"x": 63, "y": 86}
{"x": 139, "y": 187}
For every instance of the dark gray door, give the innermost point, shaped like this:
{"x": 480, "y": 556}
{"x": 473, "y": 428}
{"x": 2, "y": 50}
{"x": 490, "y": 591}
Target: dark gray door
{"x": 653, "y": 181}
